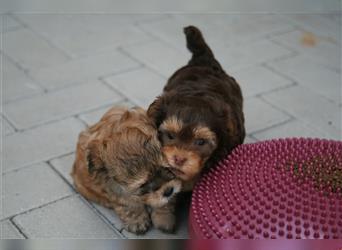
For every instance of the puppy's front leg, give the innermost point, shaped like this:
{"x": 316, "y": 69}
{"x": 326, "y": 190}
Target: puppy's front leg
{"x": 164, "y": 217}
{"x": 136, "y": 219}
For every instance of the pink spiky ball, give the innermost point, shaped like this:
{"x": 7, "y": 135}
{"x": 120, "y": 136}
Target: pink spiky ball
{"x": 285, "y": 188}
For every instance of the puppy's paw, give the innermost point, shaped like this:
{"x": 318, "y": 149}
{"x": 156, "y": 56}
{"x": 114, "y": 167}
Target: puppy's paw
{"x": 165, "y": 222}
{"x": 138, "y": 225}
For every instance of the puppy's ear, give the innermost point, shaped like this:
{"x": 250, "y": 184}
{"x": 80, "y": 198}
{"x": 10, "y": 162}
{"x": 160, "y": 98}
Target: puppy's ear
{"x": 94, "y": 158}
{"x": 235, "y": 126}
{"x": 156, "y": 111}
{"x": 125, "y": 116}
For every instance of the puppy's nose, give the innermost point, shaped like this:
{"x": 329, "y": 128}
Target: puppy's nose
{"x": 168, "y": 192}
{"x": 179, "y": 160}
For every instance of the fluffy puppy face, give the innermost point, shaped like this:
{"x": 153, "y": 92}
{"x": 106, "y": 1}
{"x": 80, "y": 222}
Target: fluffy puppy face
{"x": 191, "y": 131}
{"x": 186, "y": 146}
{"x": 131, "y": 163}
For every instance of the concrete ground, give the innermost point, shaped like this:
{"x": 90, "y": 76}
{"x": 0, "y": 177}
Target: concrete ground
{"x": 62, "y": 72}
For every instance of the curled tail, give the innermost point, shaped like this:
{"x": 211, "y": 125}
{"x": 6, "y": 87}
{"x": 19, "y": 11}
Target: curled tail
{"x": 201, "y": 53}
{"x": 196, "y": 43}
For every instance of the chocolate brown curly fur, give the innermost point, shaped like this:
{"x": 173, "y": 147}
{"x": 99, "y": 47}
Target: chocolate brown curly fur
{"x": 200, "y": 112}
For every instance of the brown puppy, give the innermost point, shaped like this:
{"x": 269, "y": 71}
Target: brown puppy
{"x": 119, "y": 165}
{"x": 199, "y": 115}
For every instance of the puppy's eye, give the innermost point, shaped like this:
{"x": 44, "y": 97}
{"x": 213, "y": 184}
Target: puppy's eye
{"x": 144, "y": 188}
{"x": 200, "y": 142}
{"x": 170, "y": 136}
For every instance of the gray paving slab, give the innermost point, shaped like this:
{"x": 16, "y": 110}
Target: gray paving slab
{"x": 260, "y": 115}
{"x": 335, "y": 17}
{"x": 9, "y": 231}
{"x": 258, "y": 79}
{"x": 293, "y": 128}
{"x": 94, "y": 116}
{"x": 40, "y": 144}
{"x": 31, "y": 187}
{"x": 303, "y": 70}
{"x": 320, "y": 49}
{"x": 319, "y": 23}
{"x": 16, "y": 84}
{"x": 57, "y": 105}
{"x": 225, "y": 29}
{"x": 141, "y": 86}
{"x": 243, "y": 29}
{"x": 306, "y": 105}
{"x": 31, "y": 51}
{"x": 63, "y": 165}
{"x": 10, "y": 23}
{"x": 231, "y": 58}
{"x": 67, "y": 218}
{"x": 84, "y": 69}
{"x": 154, "y": 54}
{"x": 85, "y": 34}
{"x": 109, "y": 215}
{"x": 6, "y": 128}
{"x": 243, "y": 56}
{"x": 249, "y": 139}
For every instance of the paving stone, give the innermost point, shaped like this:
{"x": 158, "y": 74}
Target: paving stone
{"x": 110, "y": 215}
{"x": 16, "y": 84}
{"x": 159, "y": 57}
{"x": 141, "y": 86}
{"x": 309, "y": 107}
{"x": 257, "y": 79}
{"x": 9, "y": 23}
{"x": 239, "y": 29}
{"x": 249, "y": 139}
{"x": 30, "y": 50}
{"x": 64, "y": 166}
{"x": 319, "y": 24}
{"x": 322, "y": 80}
{"x": 67, "y": 218}
{"x": 170, "y": 31}
{"x": 40, "y": 144}
{"x": 84, "y": 69}
{"x": 31, "y": 187}
{"x": 225, "y": 29}
{"x": 57, "y": 104}
{"x": 9, "y": 231}
{"x": 81, "y": 35}
{"x": 6, "y": 128}
{"x": 292, "y": 128}
{"x": 320, "y": 49}
{"x": 231, "y": 58}
{"x": 260, "y": 115}
{"x": 243, "y": 56}
{"x": 336, "y": 17}
{"x": 182, "y": 214}
{"x": 92, "y": 117}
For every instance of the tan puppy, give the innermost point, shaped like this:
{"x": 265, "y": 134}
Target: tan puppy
{"x": 119, "y": 165}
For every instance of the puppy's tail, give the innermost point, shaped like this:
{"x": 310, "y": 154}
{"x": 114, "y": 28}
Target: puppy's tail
{"x": 201, "y": 53}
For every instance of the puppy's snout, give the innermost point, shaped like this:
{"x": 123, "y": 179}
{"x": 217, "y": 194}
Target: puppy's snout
{"x": 168, "y": 192}
{"x": 179, "y": 160}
